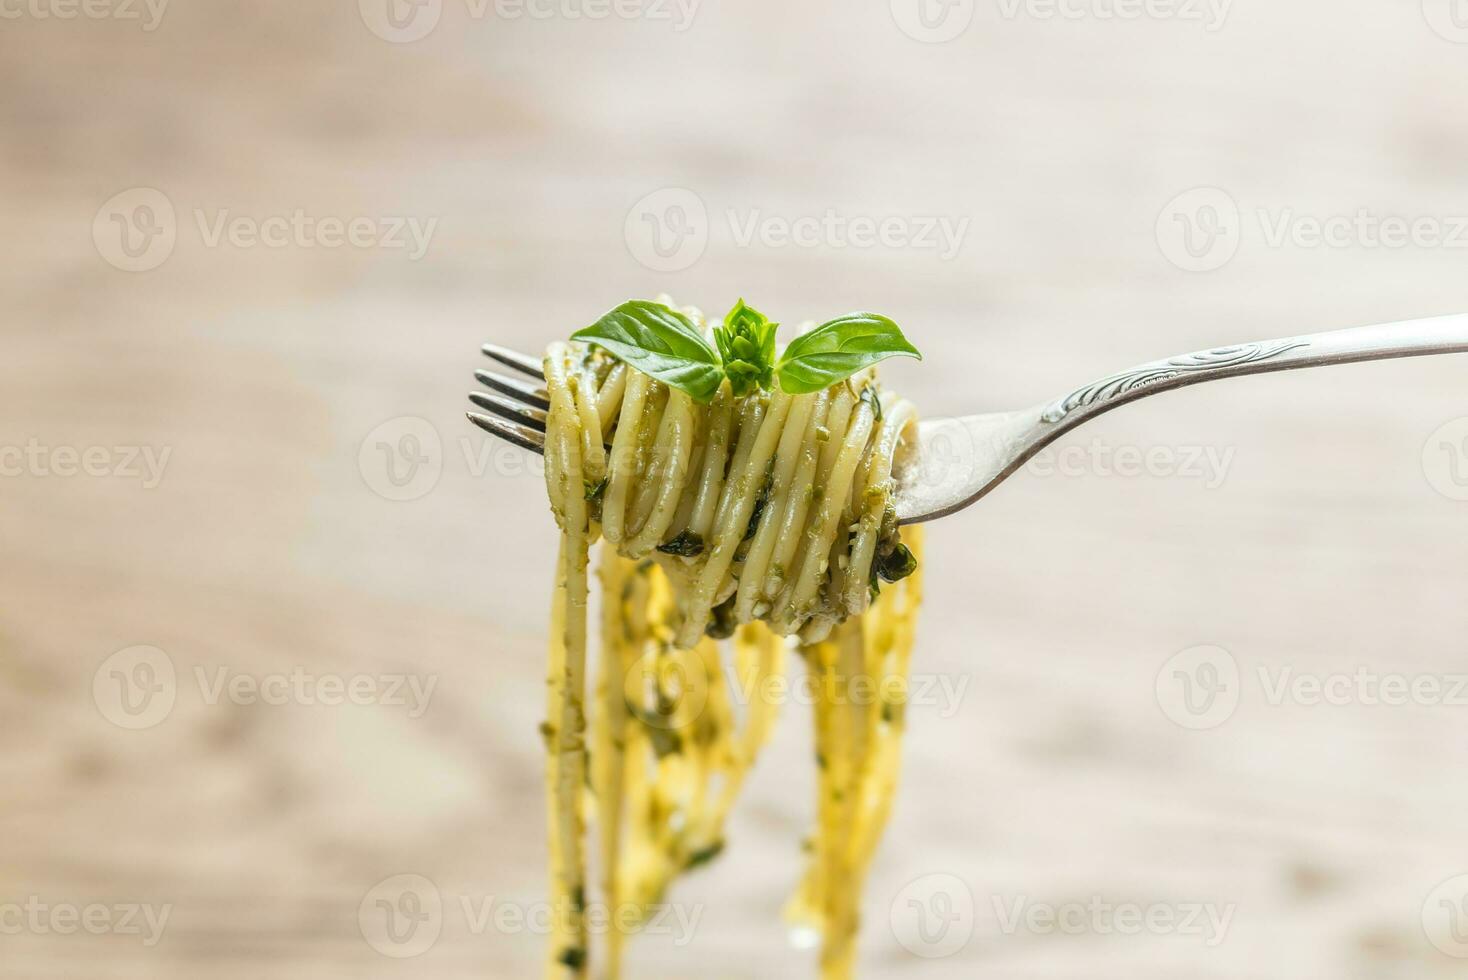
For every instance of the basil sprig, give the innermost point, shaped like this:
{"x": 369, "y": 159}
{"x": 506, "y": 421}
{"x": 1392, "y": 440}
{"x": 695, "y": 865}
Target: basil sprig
{"x": 663, "y": 343}
{"x": 747, "y": 344}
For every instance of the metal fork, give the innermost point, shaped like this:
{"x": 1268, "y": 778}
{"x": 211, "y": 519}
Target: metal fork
{"x": 961, "y": 459}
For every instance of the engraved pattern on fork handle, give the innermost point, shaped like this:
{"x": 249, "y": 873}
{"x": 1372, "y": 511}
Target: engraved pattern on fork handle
{"x": 1200, "y": 362}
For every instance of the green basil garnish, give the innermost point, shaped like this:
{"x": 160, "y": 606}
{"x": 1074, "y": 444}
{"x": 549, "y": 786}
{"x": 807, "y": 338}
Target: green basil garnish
{"x": 839, "y": 349}
{"x": 659, "y": 342}
{"x": 664, "y": 344}
{"x": 747, "y": 344}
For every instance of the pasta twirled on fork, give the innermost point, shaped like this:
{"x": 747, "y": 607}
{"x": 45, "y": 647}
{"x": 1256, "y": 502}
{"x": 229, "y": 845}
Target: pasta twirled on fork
{"x": 753, "y": 518}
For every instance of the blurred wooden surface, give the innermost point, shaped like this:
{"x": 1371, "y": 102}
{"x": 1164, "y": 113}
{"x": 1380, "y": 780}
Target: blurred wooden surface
{"x": 264, "y": 548}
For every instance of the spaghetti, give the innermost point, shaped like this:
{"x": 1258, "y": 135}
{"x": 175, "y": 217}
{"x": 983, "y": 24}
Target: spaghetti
{"x": 751, "y": 518}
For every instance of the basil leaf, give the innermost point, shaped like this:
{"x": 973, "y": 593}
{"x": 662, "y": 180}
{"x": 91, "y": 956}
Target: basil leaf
{"x": 660, "y": 342}
{"x": 839, "y": 349}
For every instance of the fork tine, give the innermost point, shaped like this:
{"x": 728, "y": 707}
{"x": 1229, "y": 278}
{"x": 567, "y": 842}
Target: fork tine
{"x": 521, "y": 390}
{"x": 509, "y": 408}
{"x": 513, "y": 358}
{"x": 522, "y": 436}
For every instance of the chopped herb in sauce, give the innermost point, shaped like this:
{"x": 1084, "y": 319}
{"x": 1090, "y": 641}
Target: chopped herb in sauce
{"x": 686, "y": 545}
{"x": 594, "y": 494}
{"x": 721, "y": 622}
{"x": 760, "y": 502}
{"x": 664, "y": 741}
{"x": 896, "y": 565}
{"x": 869, "y": 395}
{"x": 704, "y": 855}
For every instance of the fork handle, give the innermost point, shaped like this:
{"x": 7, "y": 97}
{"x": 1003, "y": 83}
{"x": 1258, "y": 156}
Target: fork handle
{"x": 1407, "y": 338}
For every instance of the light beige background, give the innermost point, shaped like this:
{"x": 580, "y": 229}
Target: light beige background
{"x": 1056, "y": 778}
